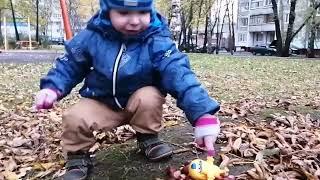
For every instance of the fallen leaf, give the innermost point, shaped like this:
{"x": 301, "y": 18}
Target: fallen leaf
{"x": 266, "y": 152}
{"x": 236, "y": 145}
{"x": 10, "y": 165}
{"x": 9, "y": 175}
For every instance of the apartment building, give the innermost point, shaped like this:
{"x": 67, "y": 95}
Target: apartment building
{"x": 78, "y": 18}
{"x": 55, "y": 28}
{"x": 256, "y": 27}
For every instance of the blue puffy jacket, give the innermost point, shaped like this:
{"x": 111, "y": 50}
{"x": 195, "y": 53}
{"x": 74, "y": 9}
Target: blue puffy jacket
{"x": 115, "y": 67}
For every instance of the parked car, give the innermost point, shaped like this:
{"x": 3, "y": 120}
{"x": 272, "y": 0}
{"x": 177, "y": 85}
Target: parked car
{"x": 57, "y": 41}
{"x": 263, "y": 50}
{"x": 292, "y": 49}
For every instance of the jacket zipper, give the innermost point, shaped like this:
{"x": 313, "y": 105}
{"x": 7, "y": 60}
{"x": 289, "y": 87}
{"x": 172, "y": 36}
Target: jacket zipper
{"x": 115, "y": 73}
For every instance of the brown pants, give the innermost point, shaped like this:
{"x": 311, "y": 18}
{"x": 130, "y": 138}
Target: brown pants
{"x": 143, "y": 112}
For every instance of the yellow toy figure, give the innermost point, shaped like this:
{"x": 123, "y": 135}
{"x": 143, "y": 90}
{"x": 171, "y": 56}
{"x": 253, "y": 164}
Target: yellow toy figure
{"x": 205, "y": 170}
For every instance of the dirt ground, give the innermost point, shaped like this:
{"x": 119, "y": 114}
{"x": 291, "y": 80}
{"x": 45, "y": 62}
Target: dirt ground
{"x": 123, "y": 161}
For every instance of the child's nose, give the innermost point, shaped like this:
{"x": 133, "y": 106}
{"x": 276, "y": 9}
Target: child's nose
{"x": 134, "y": 20}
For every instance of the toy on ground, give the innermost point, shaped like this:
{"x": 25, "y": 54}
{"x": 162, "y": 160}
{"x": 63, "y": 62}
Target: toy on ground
{"x": 200, "y": 169}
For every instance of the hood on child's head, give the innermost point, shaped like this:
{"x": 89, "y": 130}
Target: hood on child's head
{"x": 134, "y": 5}
{"x": 102, "y": 21}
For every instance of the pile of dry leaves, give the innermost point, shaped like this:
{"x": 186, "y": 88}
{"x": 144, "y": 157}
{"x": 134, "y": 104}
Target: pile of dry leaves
{"x": 30, "y": 140}
{"x": 286, "y": 147}
{"x": 280, "y": 147}
{"x": 30, "y": 144}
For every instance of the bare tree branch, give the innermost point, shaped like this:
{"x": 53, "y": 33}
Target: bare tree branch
{"x": 305, "y": 21}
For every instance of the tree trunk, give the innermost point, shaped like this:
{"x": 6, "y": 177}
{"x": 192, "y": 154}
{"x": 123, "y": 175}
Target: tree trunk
{"x": 212, "y": 26}
{"x": 1, "y": 37}
{"x": 37, "y": 22}
{"x": 281, "y": 20}
{"x": 217, "y": 24}
{"x": 183, "y": 32}
{"x": 230, "y": 47}
{"x": 221, "y": 30}
{"x": 189, "y": 26}
{"x": 277, "y": 27}
{"x": 232, "y": 26}
{"x": 312, "y": 35}
{"x": 205, "y": 40}
{"x": 289, "y": 38}
{"x": 180, "y": 37}
{"x": 14, "y": 22}
{"x": 189, "y": 40}
{"x": 310, "y": 52}
{"x": 198, "y": 21}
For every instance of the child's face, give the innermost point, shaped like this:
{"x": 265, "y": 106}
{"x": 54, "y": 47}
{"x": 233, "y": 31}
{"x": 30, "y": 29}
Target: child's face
{"x": 129, "y": 22}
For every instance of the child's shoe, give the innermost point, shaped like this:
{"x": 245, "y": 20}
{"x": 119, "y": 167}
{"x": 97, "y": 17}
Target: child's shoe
{"x": 78, "y": 166}
{"x": 153, "y": 148}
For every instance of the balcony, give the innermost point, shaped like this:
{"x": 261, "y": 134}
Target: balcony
{"x": 262, "y": 27}
{"x": 261, "y": 10}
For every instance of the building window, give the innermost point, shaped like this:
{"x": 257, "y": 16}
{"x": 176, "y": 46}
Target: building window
{"x": 244, "y": 21}
{"x": 286, "y": 18}
{"x": 269, "y": 18}
{"x": 244, "y": 6}
{"x": 255, "y": 20}
{"x": 242, "y": 37}
{"x": 317, "y": 34}
{"x": 256, "y": 4}
{"x": 259, "y": 37}
{"x": 268, "y": 2}
{"x": 247, "y": 5}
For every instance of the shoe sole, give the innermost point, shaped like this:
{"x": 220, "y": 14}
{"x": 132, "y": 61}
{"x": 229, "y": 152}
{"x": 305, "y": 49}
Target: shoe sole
{"x": 163, "y": 156}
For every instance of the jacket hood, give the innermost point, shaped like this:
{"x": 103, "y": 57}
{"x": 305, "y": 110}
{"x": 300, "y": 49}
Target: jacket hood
{"x": 101, "y": 22}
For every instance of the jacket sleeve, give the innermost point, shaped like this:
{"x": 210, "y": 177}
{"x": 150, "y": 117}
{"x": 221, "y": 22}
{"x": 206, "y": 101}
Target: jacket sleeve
{"x": 70, "y": 68}
{"x": 180, "y": 81}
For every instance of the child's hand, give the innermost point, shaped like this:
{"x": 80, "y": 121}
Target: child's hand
{"x": 207, "y": 129}
{"x": 45, "y": 98}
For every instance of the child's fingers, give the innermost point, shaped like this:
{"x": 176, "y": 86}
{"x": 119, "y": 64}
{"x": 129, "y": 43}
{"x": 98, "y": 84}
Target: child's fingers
{"x": 39, "y": 100}
{"x": 43, "y": 101}
{"x": 200, "y": 142}
{"x": 209, "y": 142}
{"x": 48, "y": 104}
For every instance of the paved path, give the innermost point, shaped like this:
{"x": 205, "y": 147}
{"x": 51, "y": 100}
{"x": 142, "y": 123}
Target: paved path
{"x": 28, "y": 56}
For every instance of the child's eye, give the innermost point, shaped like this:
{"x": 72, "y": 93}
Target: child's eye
{"x": 123, "y": 12}
{"x": 143, "y": 12}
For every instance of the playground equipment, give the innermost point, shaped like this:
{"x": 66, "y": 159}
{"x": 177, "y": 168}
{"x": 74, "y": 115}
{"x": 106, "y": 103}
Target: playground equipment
{"x": 66, "y": 20}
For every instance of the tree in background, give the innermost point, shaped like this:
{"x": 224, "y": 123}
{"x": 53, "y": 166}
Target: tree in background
{"x": 88, "y": 8}
{"x": 200, "y": 13}
{"x": 313, "y": 26}
{"x": 283, "y": 42}
{"x": 3, "y": 6}
{"x": 214, "y": 23}
{"x": 165, "y": 7}
{"x": 14, "y": 21}
{"x": 80, "y": 11}
{"x": 75, "y": 20}
{"x": 37, "y": 21}
{"x": 207, "y": 43}
{"x": 231, "y": 39}
{"x": 39, "y": 12}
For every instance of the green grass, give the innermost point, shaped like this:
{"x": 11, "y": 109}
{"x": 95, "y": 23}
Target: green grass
{"x": 232, "y": 78}
{"x": 227, "y": 78}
